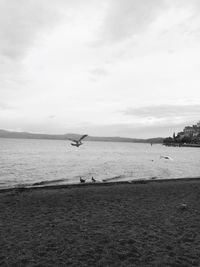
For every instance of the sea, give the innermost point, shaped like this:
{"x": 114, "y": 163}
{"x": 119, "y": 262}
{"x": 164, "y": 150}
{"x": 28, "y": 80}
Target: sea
{"x": 36, "y": 162}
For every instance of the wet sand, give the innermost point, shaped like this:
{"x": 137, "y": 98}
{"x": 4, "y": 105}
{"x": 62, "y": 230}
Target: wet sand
{"x": 143, "y": 224}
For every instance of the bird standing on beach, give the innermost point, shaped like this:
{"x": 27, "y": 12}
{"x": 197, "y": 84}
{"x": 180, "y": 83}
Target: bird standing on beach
{"x": 82, "y": 180}
{"x": 77, "y": 143}
{"x": 93, "y": 180}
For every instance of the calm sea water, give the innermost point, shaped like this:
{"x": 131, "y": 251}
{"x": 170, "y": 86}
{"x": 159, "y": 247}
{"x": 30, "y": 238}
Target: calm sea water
{"x": 46, "y": 162}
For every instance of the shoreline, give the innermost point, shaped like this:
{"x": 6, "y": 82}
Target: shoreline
{"x": 181, "y": 145}
{"x": 75, "y": 185}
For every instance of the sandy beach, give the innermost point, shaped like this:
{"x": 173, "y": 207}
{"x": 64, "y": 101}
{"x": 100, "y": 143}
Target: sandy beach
{"x": 143, "y": 224}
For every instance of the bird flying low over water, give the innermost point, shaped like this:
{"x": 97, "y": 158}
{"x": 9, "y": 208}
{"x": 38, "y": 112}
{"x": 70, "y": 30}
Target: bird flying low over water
{"x": 165, "y": 157}
{"x": 78, "y": 142}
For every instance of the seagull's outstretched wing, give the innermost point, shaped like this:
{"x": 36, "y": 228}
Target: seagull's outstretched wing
{"x": 82, "y": 137}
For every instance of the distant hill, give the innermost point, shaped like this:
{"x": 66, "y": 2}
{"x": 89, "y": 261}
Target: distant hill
{"x": 26, "y": 135}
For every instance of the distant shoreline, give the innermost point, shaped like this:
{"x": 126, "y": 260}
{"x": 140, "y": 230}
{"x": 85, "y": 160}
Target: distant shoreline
{"x": 26, "y": 135}
{"x": 181, "y": 145}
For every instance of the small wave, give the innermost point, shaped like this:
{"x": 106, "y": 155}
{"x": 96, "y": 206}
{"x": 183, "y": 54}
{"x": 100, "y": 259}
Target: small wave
{"x": 114, "y": 178}
{"x": 2, "y": 183}
{"x": 50, "y": 182}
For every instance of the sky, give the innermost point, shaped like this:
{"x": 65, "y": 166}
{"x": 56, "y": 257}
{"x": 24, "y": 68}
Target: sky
{"x": 125, "y": 68}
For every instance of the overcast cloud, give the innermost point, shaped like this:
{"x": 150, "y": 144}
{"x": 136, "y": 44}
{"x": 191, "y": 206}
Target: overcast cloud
{"x": 165, "y": 111}
{"x": 21, "y": 23}
{"x": 70, "y": 66}
{"x": 126, "y": 19}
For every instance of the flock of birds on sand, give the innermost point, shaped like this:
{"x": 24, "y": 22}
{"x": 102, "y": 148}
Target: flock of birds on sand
{"x": 78, "y": 143}
{"x": 82, "y": 181}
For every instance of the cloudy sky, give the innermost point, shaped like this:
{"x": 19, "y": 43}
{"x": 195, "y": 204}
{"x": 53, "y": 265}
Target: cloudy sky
{"x": 107, "y": 68}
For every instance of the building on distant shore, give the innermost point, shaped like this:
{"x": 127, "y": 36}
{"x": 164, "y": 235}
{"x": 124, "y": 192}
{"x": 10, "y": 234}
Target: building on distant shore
{"x": 192, "y": 130}
{"x": 190, "y": 134}
{"x": 189, "y": 130}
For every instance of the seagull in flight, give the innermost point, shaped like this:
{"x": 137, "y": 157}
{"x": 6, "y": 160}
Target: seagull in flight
{"x": 77, "y": 143}
{"x": 165, "y": 157}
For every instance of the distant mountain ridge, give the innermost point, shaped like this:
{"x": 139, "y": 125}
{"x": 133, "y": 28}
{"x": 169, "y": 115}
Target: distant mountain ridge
{"x": 26, "y": 135}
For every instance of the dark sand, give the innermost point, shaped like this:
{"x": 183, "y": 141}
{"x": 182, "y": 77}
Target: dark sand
{"x": 106, "y": 225}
